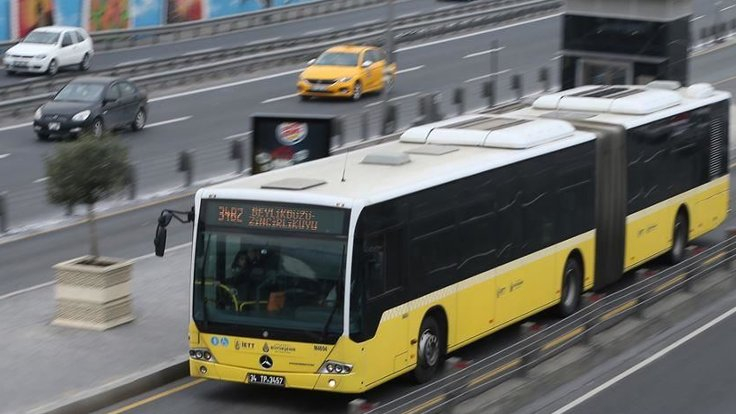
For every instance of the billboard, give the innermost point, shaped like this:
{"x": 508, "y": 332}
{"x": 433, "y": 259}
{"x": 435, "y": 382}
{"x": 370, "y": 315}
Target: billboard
{"x": 144, "y": 13}
{"x": 227, "y": 8}
{"x": 183, "y": 10}
{"x": 32, "y": 14}
{"x": 282, "y": 140}
{"x": 108, "y": 15}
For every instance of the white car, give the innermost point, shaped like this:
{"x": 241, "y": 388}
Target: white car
{"x": 49, "y": 48}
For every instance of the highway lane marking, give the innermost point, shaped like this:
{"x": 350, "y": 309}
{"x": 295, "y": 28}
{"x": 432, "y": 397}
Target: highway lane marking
{"x": 268, "y": 39}
{"x": 408, "y": 95}
{"x": 28, "y": 289}
{"x": 465, "y": 36}
{"x": 318, "y": 31}
{"x": 242, "y": 134}
{"x": 170, "y": 121}
{"x": 40, "y": 180}
{"x": 403, "y": 16}
{"x": 4, "y": 156}
{"x": 477, "y": 78}
{"x": 411, "y": 69}
{"x": 728, "y": 8}
{"x": 595, "y": 391}
{"x": 484, "y": 52}
{"x": 367, "y": 22}
{"x": 696, "y": 18}
{"x": 223, "y": 86}
{"x": 23, "y": 125}
{"x": 158, "y": 396}
{"x": 280, "y": 98}
{"x": 209, "y": 49}
{"x": 130, "y": 62}
{"x": 51, "y": 282}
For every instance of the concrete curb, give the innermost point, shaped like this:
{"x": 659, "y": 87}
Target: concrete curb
{"x": 517, "y": 394}
{"x": 117, "y": 391}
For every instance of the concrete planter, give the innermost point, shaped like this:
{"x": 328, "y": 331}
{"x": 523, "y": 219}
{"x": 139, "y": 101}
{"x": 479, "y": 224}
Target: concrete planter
{"x": 93, "y": 293}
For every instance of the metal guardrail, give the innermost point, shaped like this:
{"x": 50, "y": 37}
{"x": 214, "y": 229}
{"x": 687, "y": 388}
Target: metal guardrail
{"x": 443, "y": 395}
{"x": 119, "y": 39}
{"x": 248, "y": 58}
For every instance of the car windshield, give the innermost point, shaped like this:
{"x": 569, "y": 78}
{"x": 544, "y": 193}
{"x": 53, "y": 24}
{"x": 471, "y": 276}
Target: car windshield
{"x": 270, "y": 281}
{"x": 81, "y": 92}
{"x": 46, "y": 38}
{"x": 337, "y": 59}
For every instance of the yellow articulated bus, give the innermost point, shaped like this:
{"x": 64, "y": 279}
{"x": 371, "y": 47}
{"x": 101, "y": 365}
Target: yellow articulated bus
{"x": 345, "y": 272}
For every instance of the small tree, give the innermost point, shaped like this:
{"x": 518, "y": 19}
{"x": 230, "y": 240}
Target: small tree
{"x": 84, "y": 172}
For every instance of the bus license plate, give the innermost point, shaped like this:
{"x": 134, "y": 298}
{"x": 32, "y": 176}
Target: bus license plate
{"x": 266, "y": 380}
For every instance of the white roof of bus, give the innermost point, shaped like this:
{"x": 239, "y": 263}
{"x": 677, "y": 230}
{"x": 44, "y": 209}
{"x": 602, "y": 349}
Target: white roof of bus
{"x": 371, "y": 183}
{"x": 638, "y": 105}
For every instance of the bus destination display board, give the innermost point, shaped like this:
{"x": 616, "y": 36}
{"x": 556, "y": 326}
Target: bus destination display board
{"x": 267, "y": 216}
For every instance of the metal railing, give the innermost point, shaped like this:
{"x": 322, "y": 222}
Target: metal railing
{"x": 157, "y": 175}
{"x": 126, "y": 38}
{"x": 519, "y": 358}
{"x": 245, "y": 59}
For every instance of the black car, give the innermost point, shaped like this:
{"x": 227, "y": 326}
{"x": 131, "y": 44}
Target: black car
{"x": 92, "y": 104}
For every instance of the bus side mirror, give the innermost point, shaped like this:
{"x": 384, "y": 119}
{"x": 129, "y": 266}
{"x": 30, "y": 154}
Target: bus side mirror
{"x": 160, "y": 240}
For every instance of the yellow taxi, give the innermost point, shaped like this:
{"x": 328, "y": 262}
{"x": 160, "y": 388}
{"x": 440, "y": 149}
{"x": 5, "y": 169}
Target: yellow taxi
{"x": 347, "y": 71}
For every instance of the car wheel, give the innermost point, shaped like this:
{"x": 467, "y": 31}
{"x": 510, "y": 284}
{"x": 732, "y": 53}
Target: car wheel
{"x": 140, "y": 120}
{"x": 388, "y": 83}
{"x": 85, "y": 63}
{"x": 357, "y": 91}
{"x": 42, "y": 137}
{"x": 97, "y": 128}
{"x": 303, "y": 98}
{"x": 10, "y": 72}
{"x": 53, "y": 68}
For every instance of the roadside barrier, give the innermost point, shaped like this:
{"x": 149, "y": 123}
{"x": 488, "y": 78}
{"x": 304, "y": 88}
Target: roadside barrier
{"x": 516, "y": 360}
{"x": 174, "y": 71}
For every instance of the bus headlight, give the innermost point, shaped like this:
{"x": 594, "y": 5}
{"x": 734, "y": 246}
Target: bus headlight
{"x": 201, "y": 354}
{"x": 335, "y": 367}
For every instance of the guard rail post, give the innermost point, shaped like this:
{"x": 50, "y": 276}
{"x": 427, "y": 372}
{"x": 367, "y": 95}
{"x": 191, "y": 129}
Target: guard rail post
{"x": 544, "y": 78}
{"x": 437, "y": 114}
{"x": 488, "y": 92}
{"x": 364, "y": 125}
{"x": 186, "y": 166}
{"x": 131, "y": 182}
{"x": 388, "y": 126}
{"x": 516, "y": 85}
{"x": 459, "y": 100}
{"x": 237, "y": 153}
{"x": 3, "y": 212}
{"x": 338, "y": 131}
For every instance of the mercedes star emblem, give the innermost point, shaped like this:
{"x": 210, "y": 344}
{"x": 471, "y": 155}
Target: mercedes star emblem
{"x": 266, "y": 361}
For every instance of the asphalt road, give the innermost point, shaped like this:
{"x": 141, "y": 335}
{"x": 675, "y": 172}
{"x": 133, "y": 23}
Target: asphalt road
{"x": 320, "y": 24}
{"x": 696, "y": 377}
{"x": 184, "y": 122}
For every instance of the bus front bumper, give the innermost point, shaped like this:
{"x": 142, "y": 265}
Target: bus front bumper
{"x": 344, "y": 383}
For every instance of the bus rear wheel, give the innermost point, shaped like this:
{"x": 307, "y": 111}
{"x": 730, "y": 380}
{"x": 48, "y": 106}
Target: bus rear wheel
{"x": 429, "y": 350}
{"x": 572, "y": 282}
{"x": 679, "y": 239}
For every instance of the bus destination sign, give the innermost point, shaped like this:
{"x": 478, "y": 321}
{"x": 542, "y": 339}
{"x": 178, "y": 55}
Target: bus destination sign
{"x": 307, "y": 219}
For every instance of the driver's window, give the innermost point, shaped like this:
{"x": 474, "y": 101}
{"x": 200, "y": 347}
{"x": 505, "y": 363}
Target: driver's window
{"x": 66, "y": 40}
{"x": 113, "y": 94}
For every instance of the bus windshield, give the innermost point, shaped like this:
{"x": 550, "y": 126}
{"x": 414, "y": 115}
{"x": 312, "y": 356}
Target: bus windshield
{"x": 269, "y": 283}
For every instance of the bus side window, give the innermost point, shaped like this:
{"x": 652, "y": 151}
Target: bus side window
{"x": 381, "y": 262}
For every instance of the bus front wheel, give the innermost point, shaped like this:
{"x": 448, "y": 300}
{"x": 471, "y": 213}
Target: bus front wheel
{"x": 572, "y": 282}
{"x": 429, "y": 350}
{"x": 679, "y": 238}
